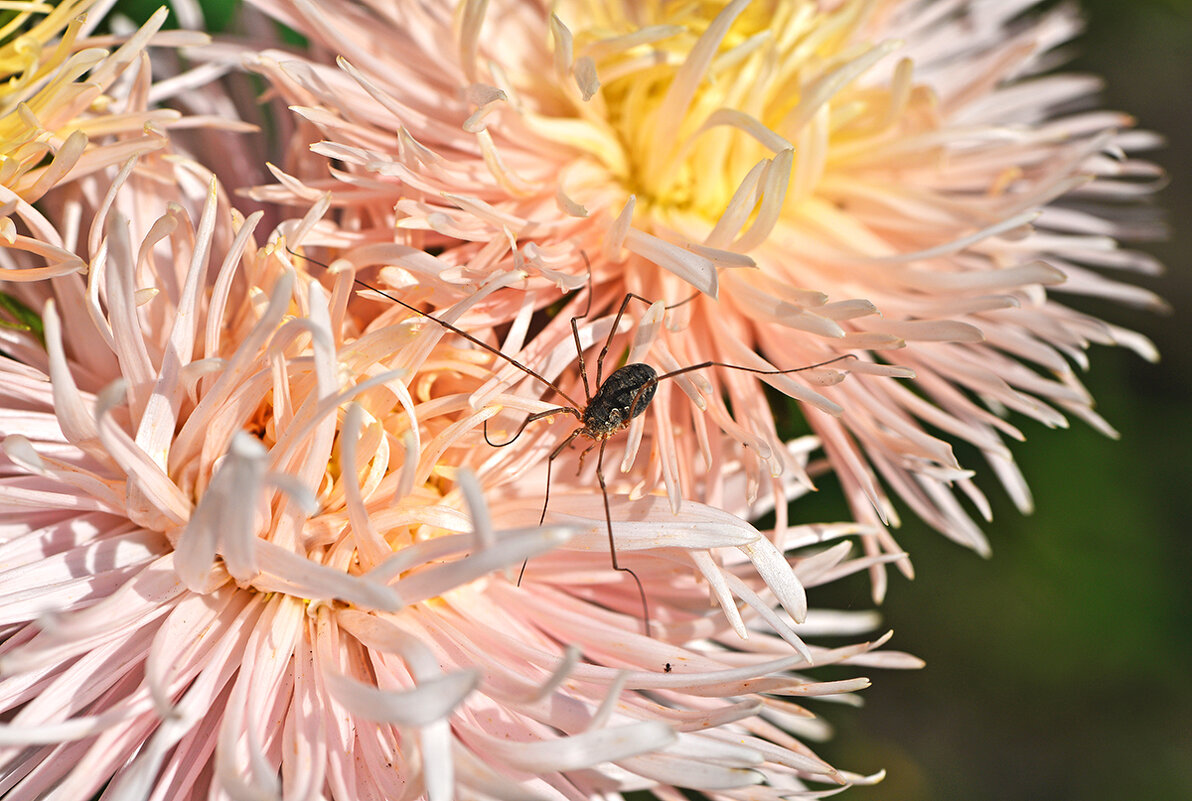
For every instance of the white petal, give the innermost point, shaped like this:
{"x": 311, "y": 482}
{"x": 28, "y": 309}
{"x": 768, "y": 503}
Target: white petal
{"x": 428, "y": 701}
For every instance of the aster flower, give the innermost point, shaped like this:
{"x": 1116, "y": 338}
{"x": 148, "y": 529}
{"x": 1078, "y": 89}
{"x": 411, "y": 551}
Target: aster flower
{"x": 75, "y": 103}
{"x": 247, "y": 551}
{"x": 904, "y": 181}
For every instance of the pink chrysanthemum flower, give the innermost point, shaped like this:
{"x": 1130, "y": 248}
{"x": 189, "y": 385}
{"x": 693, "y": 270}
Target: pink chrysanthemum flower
{"x": 74, "y": 103}
{"x": 900, "y": 180}
{"x": 245, "y": 550}
{"x": 176, "y": 465}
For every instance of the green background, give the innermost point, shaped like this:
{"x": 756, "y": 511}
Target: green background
{"x": 1058, "y": 669}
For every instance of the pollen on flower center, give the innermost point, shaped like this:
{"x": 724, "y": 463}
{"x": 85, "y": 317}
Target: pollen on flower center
{"x": 696, "y": 102}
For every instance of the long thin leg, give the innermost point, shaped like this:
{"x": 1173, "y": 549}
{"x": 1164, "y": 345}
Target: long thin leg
{"x": 612, "y": 545}
{"x": 562, "y": 446}
{"x": 612, "y": 332}
{"x": 608, "y": 343}
{"x": 702, "y": 365}
{"x": 453, "y": 328}
{"x": 532, "y": 418}
{"x": 616, "y": 324}
{"x": 579, "y": 351}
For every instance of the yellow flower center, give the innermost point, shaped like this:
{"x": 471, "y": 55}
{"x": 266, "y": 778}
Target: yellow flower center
{"x": 702, "y": 101}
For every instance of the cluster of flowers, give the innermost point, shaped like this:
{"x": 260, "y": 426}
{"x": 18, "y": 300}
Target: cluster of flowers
{"x": 254, "y": 541}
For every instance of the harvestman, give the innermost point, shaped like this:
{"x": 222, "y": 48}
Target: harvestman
{"x": 625, "y": 395}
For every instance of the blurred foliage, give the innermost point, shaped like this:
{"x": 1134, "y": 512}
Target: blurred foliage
{"x": 218, "y": 13}
{"x": 16, "y": 315}
{"x": 1057, "y": 670}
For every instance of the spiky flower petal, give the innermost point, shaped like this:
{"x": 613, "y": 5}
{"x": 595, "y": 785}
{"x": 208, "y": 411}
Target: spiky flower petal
{"x": 253, "y": 545}
{"x": 904, "y": 181}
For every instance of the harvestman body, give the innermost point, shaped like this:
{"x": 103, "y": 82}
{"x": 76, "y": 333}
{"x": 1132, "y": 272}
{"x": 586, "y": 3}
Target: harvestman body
{"x": 626, "y": 394}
